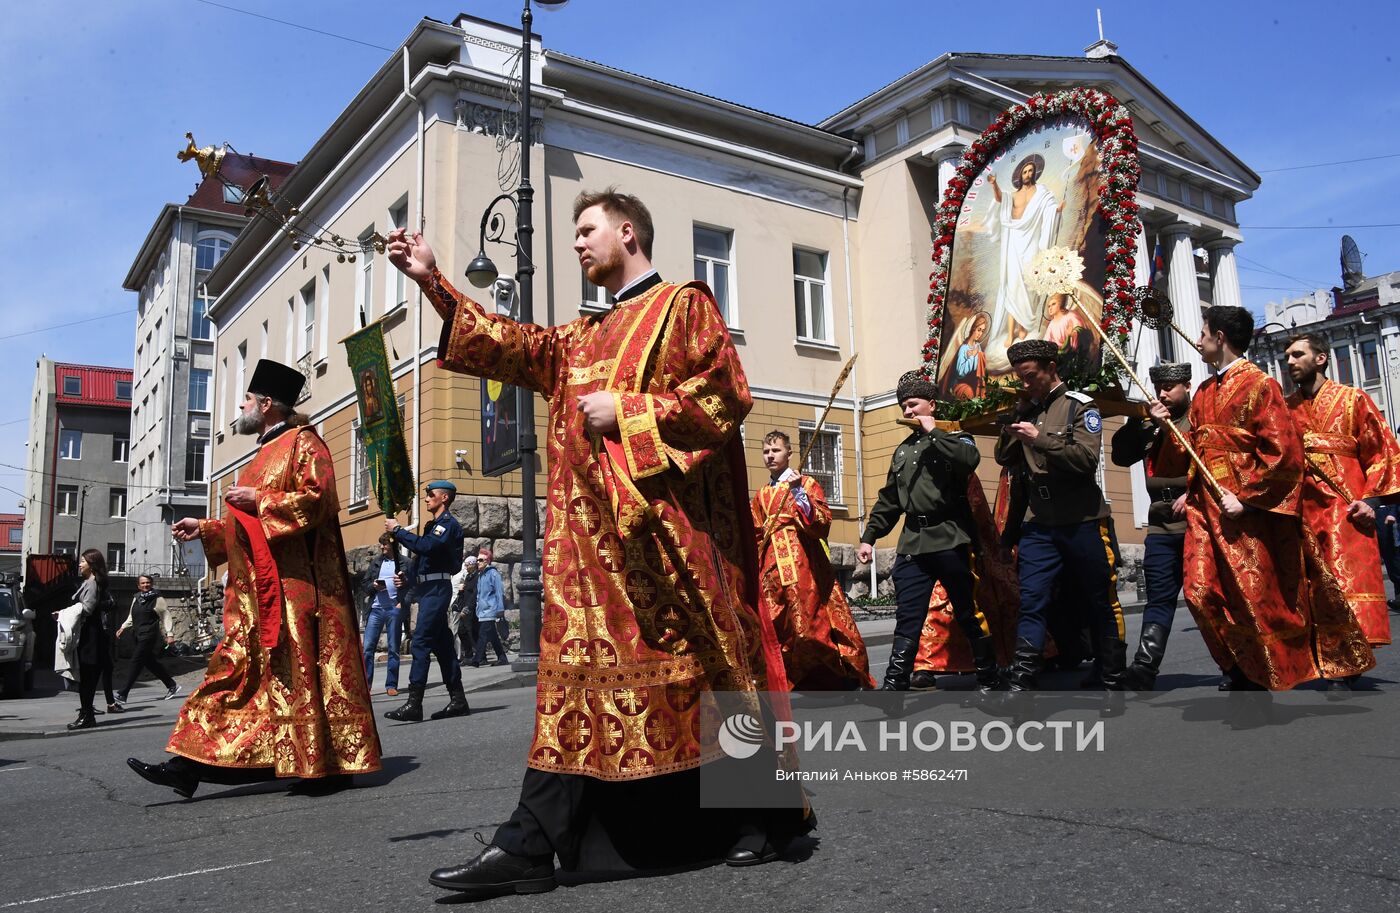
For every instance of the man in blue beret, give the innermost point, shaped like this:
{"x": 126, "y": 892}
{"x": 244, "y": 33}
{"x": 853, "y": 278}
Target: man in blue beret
{"x": 437, "y": 556}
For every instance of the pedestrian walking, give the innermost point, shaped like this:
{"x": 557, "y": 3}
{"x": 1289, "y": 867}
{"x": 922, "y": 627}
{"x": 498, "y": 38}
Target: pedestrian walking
{"x": 149, "y": 618}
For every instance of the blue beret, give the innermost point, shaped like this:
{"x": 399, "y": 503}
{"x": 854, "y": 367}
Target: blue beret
{"x": 442, "y": 484}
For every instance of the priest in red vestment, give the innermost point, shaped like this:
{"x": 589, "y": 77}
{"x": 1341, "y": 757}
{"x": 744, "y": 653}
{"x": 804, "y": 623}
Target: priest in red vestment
{"x": 822, "y": 648}
{"x": 285, "y": 693}
{"x": 1270, "y": 613}
{"x": 1351, "y": 455}
{"x": 650, "y": 572}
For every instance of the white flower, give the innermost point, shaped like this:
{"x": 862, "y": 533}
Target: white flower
{"x": 1055, "y": 271}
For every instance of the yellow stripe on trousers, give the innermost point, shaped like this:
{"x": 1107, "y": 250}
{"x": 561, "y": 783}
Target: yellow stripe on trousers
{"x": 1112, "y": 580}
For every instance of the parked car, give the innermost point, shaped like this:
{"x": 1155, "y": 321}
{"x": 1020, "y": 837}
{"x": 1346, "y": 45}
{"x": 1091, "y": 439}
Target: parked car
{"x": 16, "y": 643}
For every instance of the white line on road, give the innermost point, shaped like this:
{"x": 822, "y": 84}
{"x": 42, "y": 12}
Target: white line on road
{"x": 132, "y": 884}
{"x": 10, "y": 770}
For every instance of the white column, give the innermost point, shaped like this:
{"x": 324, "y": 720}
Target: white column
{"x": 948, "y": 159}
{"x": 1145, "y": 355}
{"x": 1185, "y": 293}
{"x": 1146, "y": 351}
{"x": 1224, "y": 279}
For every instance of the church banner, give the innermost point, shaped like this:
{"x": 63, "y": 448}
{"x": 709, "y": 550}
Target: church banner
{"x": 381, "y": 425}
{"x": 1050, "y": 184}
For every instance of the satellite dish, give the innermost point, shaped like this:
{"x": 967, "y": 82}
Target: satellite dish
{"x": 1352, "y": 274}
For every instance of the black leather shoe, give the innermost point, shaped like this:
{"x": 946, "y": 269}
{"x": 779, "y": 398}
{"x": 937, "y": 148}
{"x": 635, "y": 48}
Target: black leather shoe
{"x": 923, "y": 680}
{"x": 457, "y": 706}
{"x": 496, "y": 873}
{"x": 740, "y": 856}
{"x": 84, "y": 721}
{"x": 163, "y": 775}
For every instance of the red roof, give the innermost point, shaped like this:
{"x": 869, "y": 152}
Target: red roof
{"x": 97, "y": 386}
{"x": 7, "y": 523}
{"x": 241, "y": 170}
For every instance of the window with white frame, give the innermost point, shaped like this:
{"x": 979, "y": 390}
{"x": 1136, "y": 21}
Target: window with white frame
{"x": 67, "y": 500}
{"x": 364, "y": 289}
{"x": 199, "y": 389}
{"x": 809, "y": 288}
{"x": 116, "y": 558}
{"x": 70, "y": 444}
{"x": 291, "y": 330}
{"x": 396, "y": 286}
{"x": 308, "y": 320}
{"x": 121, "y": 448}
{"x": 359, "y": 465}
{"x": 823, "y": 457}
{"x": 324, "y": 303}
{"x": 714, "y": 265}
{"x": 208, "y": 251}
{"x": 197, "y": 461}
{"x": 16, "y": 535}
{"x": 61, "y": 547}
{"x": 222, "y": 404}
{"x": 1341, "y": 357}
{"x": 593, "y": 297}
{"x": 201, "y": 327}
{"x": 116, "y": 502}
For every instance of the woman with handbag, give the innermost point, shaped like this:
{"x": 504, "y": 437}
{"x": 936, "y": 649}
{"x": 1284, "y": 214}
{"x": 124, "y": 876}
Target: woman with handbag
{"x": 150, "y": 619}
{"x": 94, "y": 653}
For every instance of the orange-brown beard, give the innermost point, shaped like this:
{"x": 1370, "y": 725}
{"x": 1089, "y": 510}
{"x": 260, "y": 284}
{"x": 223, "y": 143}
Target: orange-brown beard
{"x": 604, "y": 269}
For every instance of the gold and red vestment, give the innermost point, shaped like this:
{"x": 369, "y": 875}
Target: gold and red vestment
{"x": 822, "y": 648}
{"x": 1351, "y": 455}
{"x": 649, "y": 583}
{"x": 942, "y": 645}
{"x": 1255, "y": 584}
{"x": 286, "y": 687}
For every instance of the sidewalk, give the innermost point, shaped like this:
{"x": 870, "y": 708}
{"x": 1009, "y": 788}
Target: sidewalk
{"x": 48, "y": 709}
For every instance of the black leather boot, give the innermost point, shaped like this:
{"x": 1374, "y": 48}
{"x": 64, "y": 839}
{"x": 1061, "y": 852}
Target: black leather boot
{"x": 1114, "y": 660}
{"x": 901, "y": 664}
{"x": 412, "y": 709}
{"x": 457, "y": 706}
{"x": 1025, "y": 666}
{"x": 1152, "y": 646}
{"x": 984, "y": 656}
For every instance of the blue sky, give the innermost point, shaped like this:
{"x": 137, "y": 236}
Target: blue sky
{"x": 96, "y": 97}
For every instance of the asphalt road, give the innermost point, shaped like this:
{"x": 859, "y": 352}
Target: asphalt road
{"x": 81, "y": 832}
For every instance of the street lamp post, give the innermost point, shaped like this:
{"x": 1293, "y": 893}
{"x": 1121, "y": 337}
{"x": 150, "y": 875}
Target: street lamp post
{"x": 481, "y": 272}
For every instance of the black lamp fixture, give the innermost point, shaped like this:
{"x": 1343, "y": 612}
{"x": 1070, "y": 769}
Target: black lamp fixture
{"x": 481, "y": 272}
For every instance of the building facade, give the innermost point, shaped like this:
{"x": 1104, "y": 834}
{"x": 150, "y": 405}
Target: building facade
{"x": 815, "y": 237}
{"x": 1362, "y": 326}
{"x": 11, "y": 543}
{"x": 76, "y": 487}
{"x": 173, "y": 358}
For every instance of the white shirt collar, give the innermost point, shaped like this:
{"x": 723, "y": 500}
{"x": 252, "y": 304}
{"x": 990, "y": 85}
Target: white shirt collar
{"x": 622, "y": 293}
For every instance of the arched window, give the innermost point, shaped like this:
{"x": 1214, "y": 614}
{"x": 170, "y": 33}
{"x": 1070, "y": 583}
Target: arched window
{"x": 208, "y": 250}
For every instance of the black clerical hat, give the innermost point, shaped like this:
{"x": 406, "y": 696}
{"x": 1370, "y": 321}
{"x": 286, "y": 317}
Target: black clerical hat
{"x": 274, "y": 379}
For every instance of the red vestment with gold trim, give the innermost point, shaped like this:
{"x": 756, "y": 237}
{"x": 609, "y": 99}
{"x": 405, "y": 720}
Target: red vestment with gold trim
{"x": 1255, "y": 584}
{"x": 942, "y": 645}
{"x": 822, "y": 648}
{"x": 649, "y": 584}
{"x": 1351, "y": 455}
{"x": 286, "y": 687}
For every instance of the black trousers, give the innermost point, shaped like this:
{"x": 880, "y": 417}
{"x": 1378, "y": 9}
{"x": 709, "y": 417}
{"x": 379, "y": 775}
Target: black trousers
{"x": 147, "y": 645}
{"x": 88, "y": 674}
{"x": 596, "y": 825}
{"x": 914, "y": 577}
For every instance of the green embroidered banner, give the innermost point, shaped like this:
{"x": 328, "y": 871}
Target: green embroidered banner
{"x": 381, "y": 426}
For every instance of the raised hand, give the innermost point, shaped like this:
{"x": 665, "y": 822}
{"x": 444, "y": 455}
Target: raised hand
{"x": 410, "y": 254}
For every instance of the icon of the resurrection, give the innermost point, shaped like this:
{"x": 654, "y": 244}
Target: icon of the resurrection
{"x": 1040, "y": 190}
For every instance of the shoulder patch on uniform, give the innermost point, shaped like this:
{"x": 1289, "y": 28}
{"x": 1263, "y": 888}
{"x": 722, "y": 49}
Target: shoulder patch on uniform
{"x": 1081, "y": 397}
{"x": 1093, "y": 421}
{"x": 966, "y": 439}
{"x": 439, "y": 529}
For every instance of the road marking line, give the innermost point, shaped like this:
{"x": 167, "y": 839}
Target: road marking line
{"x": 10, "y": 770}
{"x": 132, "y": 884}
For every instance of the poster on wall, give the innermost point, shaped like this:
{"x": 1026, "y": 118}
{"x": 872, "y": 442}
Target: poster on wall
{"x": 1050, "y": 184}
{"x": 500, "y": 427}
